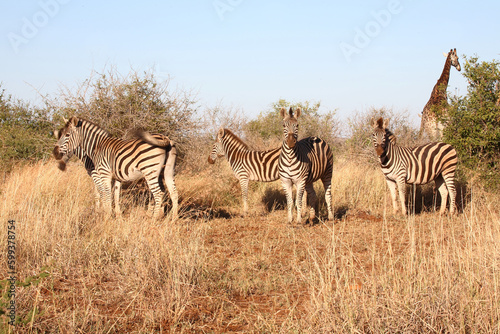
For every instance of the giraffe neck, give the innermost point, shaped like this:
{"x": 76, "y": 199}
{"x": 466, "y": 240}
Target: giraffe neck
{"x": 439, "y": 91}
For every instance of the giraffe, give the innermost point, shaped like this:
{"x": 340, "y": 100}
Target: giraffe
{"x": 438, "y": 100}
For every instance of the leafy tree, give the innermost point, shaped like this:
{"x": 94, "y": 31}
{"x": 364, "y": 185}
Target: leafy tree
{"x": 473, "y": 121}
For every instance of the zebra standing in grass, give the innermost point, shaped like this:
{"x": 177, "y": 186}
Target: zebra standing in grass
{"x": 120, "y": 160}
{"x": 302, "y": 163}
{"x": 246, "y": 164}
{"x": 416, "y": 165}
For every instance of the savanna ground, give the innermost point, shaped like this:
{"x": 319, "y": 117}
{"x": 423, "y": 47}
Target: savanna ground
{"x": 212, "y": 271}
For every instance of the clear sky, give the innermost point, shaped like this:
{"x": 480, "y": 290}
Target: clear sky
{"x": 350, "y": 55}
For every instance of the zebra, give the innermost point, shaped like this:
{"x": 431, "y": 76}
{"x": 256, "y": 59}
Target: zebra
{"x": 435, "y": 161}
{"x": 302, "y": 163}
{"x": 247, "y": 165}
{"x": 92, "y": 172}
{"x": 121, "y": 160}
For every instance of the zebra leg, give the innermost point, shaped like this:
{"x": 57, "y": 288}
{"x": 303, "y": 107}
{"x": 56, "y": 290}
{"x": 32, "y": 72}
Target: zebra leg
{"x": 304, "y": 201}
{"x": 244, "y": 193}
{"x": 154, "y": 187}
{"x": 288, "y": 187}
{"x": 450, "y": 185}
{"x": 300, "y": 193}
{"x": 393, "y": 190}
{"x": 327, "y": 184}
{"x": 107, "y": 183}
{"x": 312, "y": 199}
{"x": 443, "y": 191}
{"x": 402, "y": 195}
{"x": 97, "y": 187}
{"x": 117, "y": 189}
{"x": 168, "y": 174}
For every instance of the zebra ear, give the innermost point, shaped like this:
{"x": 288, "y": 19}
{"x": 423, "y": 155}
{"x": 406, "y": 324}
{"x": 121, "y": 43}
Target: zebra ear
{"x": 386, "y": 123}
{"x": 56, "y": 134}
{"x": 221, "y": 132}
{"x": 74, "y": 121}
{"x": 298, "y": 112}
{"x": 374, "y": 122}
{"x": 283, "y": 112}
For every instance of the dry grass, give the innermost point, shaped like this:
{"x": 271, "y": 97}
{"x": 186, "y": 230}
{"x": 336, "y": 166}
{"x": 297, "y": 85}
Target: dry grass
{"x": 212, "y": 271}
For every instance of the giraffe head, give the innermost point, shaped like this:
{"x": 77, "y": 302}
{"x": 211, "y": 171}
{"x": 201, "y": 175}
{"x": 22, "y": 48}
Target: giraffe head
{"x": 290, "y": 126}
{"x": 454, "y": 58}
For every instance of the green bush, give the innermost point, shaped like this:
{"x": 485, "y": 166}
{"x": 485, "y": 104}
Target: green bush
{"x": 473, "y": 122}
{"x": 25, "y": 132}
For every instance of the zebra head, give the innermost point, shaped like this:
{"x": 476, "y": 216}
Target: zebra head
{"x": 68, "y": 139}
{"x": 454, "y": 58}
{"x": 381, "y": 136}
{"x": 61, "y": 163}
{"x": 290, "y": 126}
{"x": 217, "y": 148}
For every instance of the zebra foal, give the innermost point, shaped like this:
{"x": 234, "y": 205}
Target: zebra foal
{"x": 301, "y": 163}
{"x": 116, "y": 160}
{"x": 414, "y": 165}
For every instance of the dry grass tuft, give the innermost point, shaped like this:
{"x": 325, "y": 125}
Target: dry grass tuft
{"x": 213, "y": 271}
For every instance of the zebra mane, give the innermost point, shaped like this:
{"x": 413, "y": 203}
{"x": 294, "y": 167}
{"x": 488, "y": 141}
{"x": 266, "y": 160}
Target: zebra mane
{"x": 391, "y": 136}
{"x": 236, "y": 138}
{"x": 81, "y": 121}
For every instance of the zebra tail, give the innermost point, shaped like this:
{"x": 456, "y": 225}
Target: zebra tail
{"x": 148, "y": 138}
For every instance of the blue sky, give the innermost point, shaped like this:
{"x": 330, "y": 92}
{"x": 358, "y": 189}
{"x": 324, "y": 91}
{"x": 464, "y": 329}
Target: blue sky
{"x": 248, "y": 54}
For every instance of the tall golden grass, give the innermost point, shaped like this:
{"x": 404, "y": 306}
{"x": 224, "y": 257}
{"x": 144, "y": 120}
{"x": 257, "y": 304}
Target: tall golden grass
{"x": 214, "y": 271}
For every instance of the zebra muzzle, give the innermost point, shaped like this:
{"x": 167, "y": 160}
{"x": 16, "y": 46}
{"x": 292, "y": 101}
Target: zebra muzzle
{"x": 57, "y": 153}
{"x": 379, "y": 150}
{"x": 291, "y": 141}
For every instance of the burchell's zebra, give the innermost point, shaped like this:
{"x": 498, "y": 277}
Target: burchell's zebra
{"x": 302, "y": 163}
{"x": 416, "y": 165}
{"x": 247, "y": 165}
{"x": 122, "y": 160}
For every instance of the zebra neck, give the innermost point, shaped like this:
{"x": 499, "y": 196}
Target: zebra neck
{"x": 386, "y": 157}
{"x": 288, "y": 151}
{"x": 91, "y": 139}
{"x": 233, "y": 150}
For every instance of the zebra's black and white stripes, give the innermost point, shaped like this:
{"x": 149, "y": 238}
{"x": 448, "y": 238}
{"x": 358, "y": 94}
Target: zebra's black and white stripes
{"x": 417, "y": 165}
{"x": 247, "y": 165}
{"x": 301, "y": 163}
{"x": 122, "y": 160}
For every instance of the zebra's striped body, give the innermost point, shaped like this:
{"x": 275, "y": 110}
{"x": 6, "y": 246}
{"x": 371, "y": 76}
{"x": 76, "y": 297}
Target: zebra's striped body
{"x": 301, "y": 163}
{"x": 122, "y": 160}
{"x": 417, "y": 165}
{"x": 247, "y": 165}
